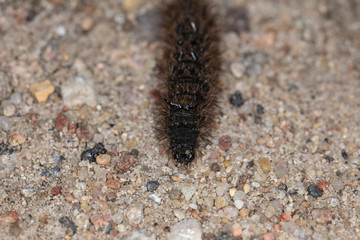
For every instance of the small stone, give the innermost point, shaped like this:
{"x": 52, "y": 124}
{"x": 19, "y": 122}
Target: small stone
{"x": 337, "y": 184}
{"x": 269, "y": 211}
{"x": 4, "y": 123}
{"x": 103, "y": 159}
{"x": 231, "y": 211}
{"x": 314, "y": 191}
{"x": 111, "y": 196}
{"x": 281, "y": 171}
{"x": 87, "y": 24}
{"x": 68, "y": 223}
{"x": 260, "y": 109}
{"x": 323, "y": 185}
{"x": 155, "y": 198}
{"x": 15, "y": 98}
{"x": 16, "y": 138}
{"x": 344, "y": 154}
{"x": 91, "y": 154}
{"x": 140, "y": 235}
{"x": 9, "y": 110}
{"x": 225, "y": 143}
{"x": 246, "y": 188}
{"x": 221, "y": 202}
{"x": 283, "y": 187}
{"x": 82, "y": 221}
{"x": 152, "y": 186}
{"x": 130, "y": 5}
{"x": 285, "y": 217}
{"x": 236, "y": 99}
{"x": 5, "y": 149}
{"x": 101, "y": 222}
{"x": 236, "y": 230}
{"x": 221, "y": 189}
{"x": 239, "y": 204}
{"x": 42, "y": 90}
{"x": 134, "y": 214}
{"x": 237, "y": 69}
{"x": 232, "y": 192}
{"x": 61, "y": 122}
{"x": 9, "y": 218}
{"x": 244, "y": 212}
{"x": 265, "y": 164}
{"x": 186, "y": 230}
{"x": 125, "y": 162}
{"x": 269, "y": 236}
{"x": 322, "y": 216}
{"x": 215, "y": 167}
{"x": 56, "y": 190}
{"x": 79, "y": 91}
{"x": 113, "y": 184}
{"x": 188, "y": 191}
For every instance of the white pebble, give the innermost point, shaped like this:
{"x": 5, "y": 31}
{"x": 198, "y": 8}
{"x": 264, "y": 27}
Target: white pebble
{"x": 186, "y": 230}
{"x": 188, "y": 192}
{"x": 4, "y": 123}
{"x": 15, "y": 98}
{"x": 9, "y": 110}
{"x": 239, "y": 204}
{"x": 134, "y": 214}
{"x": 155, "y": 198}
{"x": 61, "y": 31}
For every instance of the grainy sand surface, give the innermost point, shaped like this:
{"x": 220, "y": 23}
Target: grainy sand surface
{"x": 292, "y": 170}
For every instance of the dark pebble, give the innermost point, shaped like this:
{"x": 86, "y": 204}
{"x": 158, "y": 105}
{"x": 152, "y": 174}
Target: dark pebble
{"x": 135, "y": 153}
{"x": 251, "y": 164}
{"x": 260, "y": 109}
{"x": 338, "y": 173}
{"x": 283, "y": 187}
{"x": 314, "y": 191}
{"x": 68, "y": 223}
{"x": 344, "y": 154}
{"x": 51, "y": 172}
{"x": 152, "y": 186}
{"x": 329, "y": 159}
{"x": 236, "y": 99}
{"x": 224, "y": 236}
{"x": 293, "y": 192}
{"x": 5, "y": 149}
{"x": 215, "y": 167}
{"x": 91, "y": 154}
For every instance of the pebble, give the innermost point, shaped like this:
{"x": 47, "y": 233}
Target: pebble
{"x": 221, "y": 202}
{"x": 87, "y": 24}
{"x": 269, "y": 236}
{"x": 15, "y": 98}
{"x": 152, "y": 186}
{"x": 42, "y": 90}
{"x": 265, "y": 164}
{"x": 237, "y": 69}
{"x": 236, "y": 230}
{"x": 140, "y": 235}
{"x": 323, "y": 185}
{"x": 5, "y": 123}
{"x": 91, "y": 154}
{"x": 231, "y": 211}
{"x": 82, "y": 221}
{"x": 175, "y": 194}
{"x": 221, "y": 189}
{"x": 9, "y": 218}
{"x": 61, "y": 122}
{"x": 125, "y": 162}
{"x": 9, "y": 110}
{"x": 246, "y": 188}
{"x": 225, "y": 143}
{"x": 56, "y": 190}
{"x": 337, "y": 184}
{"x": 155, "y": 198}
{"x": 103, "y": 159}
{"x": 244, "y": 212}
{"x": 239, "y": 195}
{"x": 215, "y": 167}
{"x": 186, "y": 230}
{"x": 78, "y": 92}
{"x": 314, "y": 191}
{"x": 236, "y": 99}
{"x": 322, "y": 216}
{"x": 130, "y": 5}
{"x": 239, "y": 204}
{"x": 270, "y": 211}
{"x": 285, "y": 217}
{"x": 113, "y": 184}
{"x": 134, "y": 214}
{"x": 281, "y": 171}
{"x": 101, "y": 222}
{"x": 16, "y": 138}
{"x": 68, "y": 223}
{"x": 188, "y": 191}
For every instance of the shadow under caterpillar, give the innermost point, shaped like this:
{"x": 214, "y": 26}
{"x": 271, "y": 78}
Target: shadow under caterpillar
{"x": 188, "y": 70}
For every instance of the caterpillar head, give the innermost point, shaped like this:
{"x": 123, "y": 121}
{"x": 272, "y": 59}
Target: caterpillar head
{"x": 183, "y": 154}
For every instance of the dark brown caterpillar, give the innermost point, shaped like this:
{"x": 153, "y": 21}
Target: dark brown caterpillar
{"x": 189, "y": 76}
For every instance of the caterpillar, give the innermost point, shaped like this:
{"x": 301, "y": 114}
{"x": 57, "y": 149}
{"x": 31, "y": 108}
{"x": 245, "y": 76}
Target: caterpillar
{"x": 188, "y": 71}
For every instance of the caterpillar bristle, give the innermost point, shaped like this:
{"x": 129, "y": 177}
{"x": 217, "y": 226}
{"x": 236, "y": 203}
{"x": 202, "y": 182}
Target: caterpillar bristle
{"x": 188, "y": 70}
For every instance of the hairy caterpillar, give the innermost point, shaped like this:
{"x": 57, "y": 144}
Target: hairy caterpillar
{"x": 188, "y": 70}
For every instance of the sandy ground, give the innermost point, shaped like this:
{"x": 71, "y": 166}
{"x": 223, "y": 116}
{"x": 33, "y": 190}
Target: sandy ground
{"x": 290, "y": 172}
